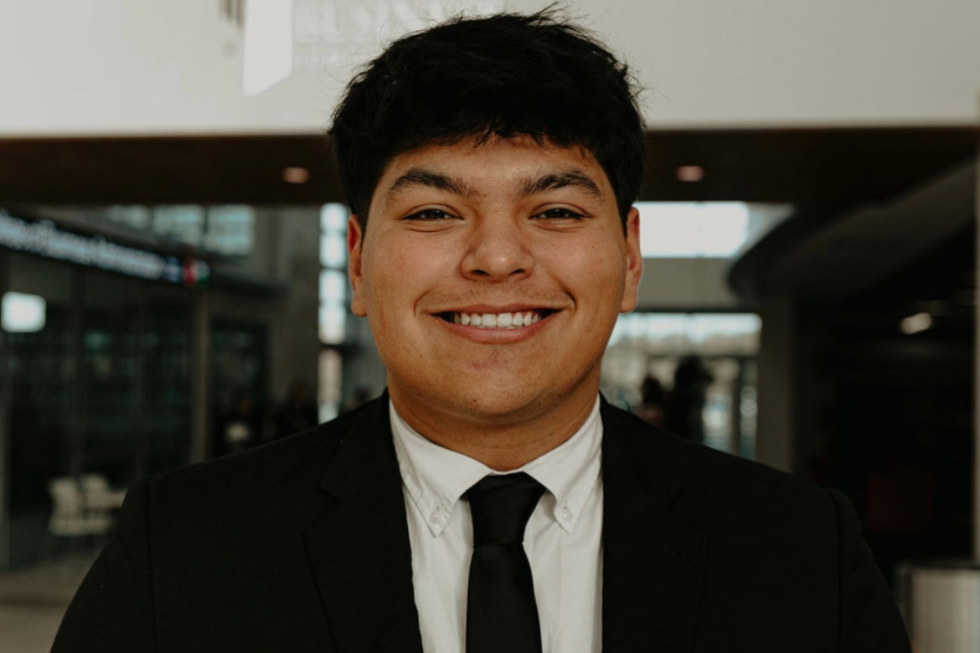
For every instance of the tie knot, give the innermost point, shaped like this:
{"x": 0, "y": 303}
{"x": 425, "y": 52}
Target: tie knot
{"x": 501, "y": 506}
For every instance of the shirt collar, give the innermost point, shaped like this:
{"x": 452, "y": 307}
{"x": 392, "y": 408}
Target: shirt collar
{"x": 436, "y": 477}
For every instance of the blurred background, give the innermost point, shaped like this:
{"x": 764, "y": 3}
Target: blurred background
{"x": 173, "y": 281}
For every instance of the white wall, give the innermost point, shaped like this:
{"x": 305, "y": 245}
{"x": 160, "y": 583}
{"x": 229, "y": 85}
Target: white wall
{"x": 146, "y": 66}
{"x": 809, "y": 62}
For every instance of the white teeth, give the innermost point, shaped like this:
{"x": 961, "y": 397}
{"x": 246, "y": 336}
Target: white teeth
{"x": 497, "y": 320}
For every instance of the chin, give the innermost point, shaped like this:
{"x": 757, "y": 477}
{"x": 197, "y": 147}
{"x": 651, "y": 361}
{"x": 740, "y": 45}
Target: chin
{"x": 495, "y": 404}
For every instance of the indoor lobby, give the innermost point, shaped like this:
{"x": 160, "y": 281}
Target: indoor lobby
{"x": 175, "y": 284}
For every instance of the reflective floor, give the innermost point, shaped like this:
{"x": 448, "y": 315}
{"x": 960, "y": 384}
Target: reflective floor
{"x": 33, "y": 600}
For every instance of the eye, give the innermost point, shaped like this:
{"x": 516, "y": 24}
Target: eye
{"x": 560, "y": 214}
{"x": 429, "y": 215}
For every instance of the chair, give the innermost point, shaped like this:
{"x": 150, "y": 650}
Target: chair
{"x": 71, "y": 517}
{"x": 98, "y": 496}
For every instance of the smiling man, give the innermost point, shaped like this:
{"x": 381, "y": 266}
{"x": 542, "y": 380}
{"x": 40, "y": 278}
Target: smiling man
{"x": 492, "y": 274}
{"x": 490, "y": 501}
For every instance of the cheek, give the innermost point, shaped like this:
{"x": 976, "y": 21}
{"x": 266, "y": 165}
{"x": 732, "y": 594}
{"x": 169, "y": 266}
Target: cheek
{"x": 595, "y": 272}
{"x": 398, "y": 272}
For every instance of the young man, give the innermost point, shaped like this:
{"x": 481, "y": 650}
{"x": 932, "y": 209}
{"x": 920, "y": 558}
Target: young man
{"x": 489, "y": 501}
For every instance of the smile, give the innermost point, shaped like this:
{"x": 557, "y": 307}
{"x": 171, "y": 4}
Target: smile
{"x": 514, "y": 320}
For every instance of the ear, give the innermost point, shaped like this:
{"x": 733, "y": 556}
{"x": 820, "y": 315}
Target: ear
{"x": 634, "y": 262}
{"x": 355, "y": 243}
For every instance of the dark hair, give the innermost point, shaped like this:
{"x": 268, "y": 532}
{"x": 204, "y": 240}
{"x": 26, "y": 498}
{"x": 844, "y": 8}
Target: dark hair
{"x": 503, "y": 75}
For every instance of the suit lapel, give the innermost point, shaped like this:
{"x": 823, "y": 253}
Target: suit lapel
{"x": 653, "y": 559}
{"x": 360, "y": 552}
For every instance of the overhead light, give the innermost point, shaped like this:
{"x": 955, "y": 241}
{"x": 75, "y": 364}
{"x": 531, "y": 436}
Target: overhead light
{"x": 915, "y": 323}
{"x": 267, "y": 45}
{"x": 22, "y": 313}
{"x": 295, "y": 175}
{"x": 690, "y": 173}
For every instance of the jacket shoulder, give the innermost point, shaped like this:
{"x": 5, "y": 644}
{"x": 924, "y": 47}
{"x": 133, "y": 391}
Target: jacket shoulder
{"x": 712, "y": 483}
{"x": 269, "y": 477}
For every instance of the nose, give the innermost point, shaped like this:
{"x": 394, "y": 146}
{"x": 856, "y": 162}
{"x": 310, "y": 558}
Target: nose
{"x": 497, "y": 250}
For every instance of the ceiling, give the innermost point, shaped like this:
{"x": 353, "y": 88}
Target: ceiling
{"x": 844, "y": 166}
{"x": 829, "y": 253}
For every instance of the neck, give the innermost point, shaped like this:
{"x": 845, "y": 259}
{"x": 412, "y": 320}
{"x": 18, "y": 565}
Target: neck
{"x": 501, "y": 442}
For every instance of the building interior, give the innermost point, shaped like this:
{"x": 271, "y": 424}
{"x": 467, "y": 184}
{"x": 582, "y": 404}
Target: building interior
{"x": 174, "y": 282}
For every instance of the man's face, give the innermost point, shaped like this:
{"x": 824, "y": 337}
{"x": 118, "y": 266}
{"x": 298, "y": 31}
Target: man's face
{"x": 492, "y": 275}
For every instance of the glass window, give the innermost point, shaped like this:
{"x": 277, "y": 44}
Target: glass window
{"x": 702, "y": 229}
{"x": 679, "y": 333}
{"x": 718, "y": 415}
{"x": 691, "y": 373}
{"x": 40, "y": 373}
{"x": 333, "y": 218}
{"x": 167, "y": 352}
{"x": 230, "y": 230}
{"x": 333, "y": 287}
{"x": 333, "y": 323}
{"x": 135, "y": 216}
{"x": 109, "y": 394}
{"x": 226, "y": 229}
{"x": 331, "y": 368}
{"x": 333, "y": 276}
{"x": 181, "y": 222}
{"x": 333, "y": 311}
{"x": 101, "y": 386}
{"x": 333, "y": 235}
{"x": 748, "y": 411}
{"x": 333, "y": 250}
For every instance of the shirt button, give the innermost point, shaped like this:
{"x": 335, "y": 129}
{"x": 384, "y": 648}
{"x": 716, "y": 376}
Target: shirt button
{"x": 437, "y": 516}
{"x": 566, "y": 514}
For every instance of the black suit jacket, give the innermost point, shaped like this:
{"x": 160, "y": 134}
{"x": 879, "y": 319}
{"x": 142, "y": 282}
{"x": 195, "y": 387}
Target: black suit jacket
{"x": 303, "y": 546}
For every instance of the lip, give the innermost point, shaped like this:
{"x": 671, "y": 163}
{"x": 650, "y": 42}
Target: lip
{"x": 496, "y": 336}
{"x": 505, "y": 308}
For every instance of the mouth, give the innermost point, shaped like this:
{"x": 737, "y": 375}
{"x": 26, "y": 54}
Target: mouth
{"x": 511, "y": 320}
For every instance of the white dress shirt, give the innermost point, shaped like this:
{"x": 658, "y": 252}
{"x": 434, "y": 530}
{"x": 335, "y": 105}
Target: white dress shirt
{"x": 563, "y": 539}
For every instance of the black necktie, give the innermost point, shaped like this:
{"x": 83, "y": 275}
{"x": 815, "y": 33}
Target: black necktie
{"x": 501, "y": 614}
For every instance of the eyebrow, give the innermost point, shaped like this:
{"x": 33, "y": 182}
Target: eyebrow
{"x": 530, "y": 186}
{"x": 554, "y": 181}
{"x": 430, "y": 179}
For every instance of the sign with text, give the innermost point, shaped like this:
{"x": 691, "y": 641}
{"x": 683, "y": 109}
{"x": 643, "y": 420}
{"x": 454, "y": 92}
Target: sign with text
{"x": 44, "y": 238}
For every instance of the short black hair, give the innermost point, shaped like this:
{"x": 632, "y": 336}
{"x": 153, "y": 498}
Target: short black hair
{"x": 503, "y": 75}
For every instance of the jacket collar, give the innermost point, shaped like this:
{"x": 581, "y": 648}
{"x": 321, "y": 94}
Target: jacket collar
{"x": 653, "y": 558}
{"x": 360, "y": 552}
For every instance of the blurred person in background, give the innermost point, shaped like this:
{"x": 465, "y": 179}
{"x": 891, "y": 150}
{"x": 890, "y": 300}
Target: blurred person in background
{"x": 240, "y": 427}
{"x": 359, "y": 396}
{"x": 489, "y": 500}
{"x": 685, "y": 403}
{"x": 652, "y": 401}
{"x": 298, "y": 410}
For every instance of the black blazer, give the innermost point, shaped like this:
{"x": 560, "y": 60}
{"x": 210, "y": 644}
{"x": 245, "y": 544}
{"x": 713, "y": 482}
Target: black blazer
{"x": 302, "y": 545}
